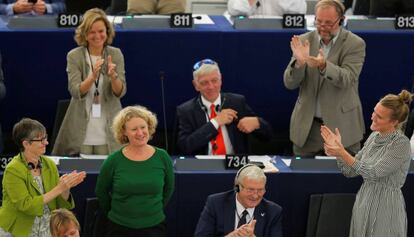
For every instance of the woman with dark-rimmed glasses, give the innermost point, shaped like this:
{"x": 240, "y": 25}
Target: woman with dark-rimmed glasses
{"x": 32, "y": 187}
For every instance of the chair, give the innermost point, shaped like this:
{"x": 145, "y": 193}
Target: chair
{"x": 62, "y": 106}
{"x": 117, "y": 7}
{"x": 94, "y": 220}
{"x": 330, "y": 214}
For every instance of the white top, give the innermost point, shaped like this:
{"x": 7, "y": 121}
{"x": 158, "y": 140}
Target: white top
{"x": 95, "y": 129}
{"x": 266, "y": 7}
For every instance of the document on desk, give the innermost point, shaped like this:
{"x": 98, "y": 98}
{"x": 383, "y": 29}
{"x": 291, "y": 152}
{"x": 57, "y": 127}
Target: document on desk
{"x": 267, "y": 162}
{"x": 99, "y": 157}
{"x": 212, "y": 157}
{"x": 202, "y": 19}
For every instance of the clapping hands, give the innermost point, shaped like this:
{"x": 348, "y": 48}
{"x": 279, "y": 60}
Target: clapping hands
{"x": 332, "y": 141}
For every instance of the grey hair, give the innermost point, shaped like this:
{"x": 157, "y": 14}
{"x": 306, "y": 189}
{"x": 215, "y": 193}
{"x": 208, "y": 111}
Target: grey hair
{"x": 206, "y": 69}
{"x": 250, "y": 171}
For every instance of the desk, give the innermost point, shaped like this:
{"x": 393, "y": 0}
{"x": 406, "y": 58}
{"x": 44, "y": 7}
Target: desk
{"x": 289, "y": 188}
{"x": 252, "y": 64}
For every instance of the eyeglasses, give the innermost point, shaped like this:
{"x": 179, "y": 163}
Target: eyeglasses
{"x": 42, "y": 140}
{"x": 198, "y": 64}
{"x": 259, "y": 191}
{"x": 326, "y": 25}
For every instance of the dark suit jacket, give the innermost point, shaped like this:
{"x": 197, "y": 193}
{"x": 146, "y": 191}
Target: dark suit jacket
{"x": 194, "y": 132}
{"x": 217, "y": 218}
{"x": 410, "y": 125}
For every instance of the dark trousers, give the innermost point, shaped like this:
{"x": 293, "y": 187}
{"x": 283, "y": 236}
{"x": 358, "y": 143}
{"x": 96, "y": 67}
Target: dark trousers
{"x": 116, "y": 230}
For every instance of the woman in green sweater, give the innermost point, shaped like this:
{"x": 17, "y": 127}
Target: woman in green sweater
{"x": 135, "y": 182}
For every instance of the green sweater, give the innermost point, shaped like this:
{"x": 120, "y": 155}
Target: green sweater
{"x": 134, "y": 193}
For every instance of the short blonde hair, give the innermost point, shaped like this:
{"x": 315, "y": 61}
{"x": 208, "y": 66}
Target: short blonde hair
{"x": 89, "y": 18}
{"x": 126, "y": 114}
{"x": 60, "y": 218}
{"x": 398, "y": 104}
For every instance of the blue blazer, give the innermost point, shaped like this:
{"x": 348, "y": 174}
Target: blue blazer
{"x": 194, "y": 132}
{"x": 218, "y": 217}
{"x": 56, "y": 6}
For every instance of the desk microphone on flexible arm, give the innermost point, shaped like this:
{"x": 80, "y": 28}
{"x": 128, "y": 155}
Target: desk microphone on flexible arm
{"x": 162, "y": 77}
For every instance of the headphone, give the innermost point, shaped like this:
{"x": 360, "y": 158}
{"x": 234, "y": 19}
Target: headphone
{"x": 236, "y": 183}
{"x": 339, "y": 6}
{"x": 205, "y": 109}
{"x": 32, "y": 166}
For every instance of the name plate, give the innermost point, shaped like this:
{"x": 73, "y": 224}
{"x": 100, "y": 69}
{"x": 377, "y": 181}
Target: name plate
{"x": 236, "y": 161}
{"x": 244, "y": 23}
{"x": 294, "y": 21}
{"x": 181, "y": 20}
{"x": 4, "y": 160}
{"x": 69, "y": 20}
{"x": 33, "y": 22}
{"x": 370, "y": 24}
{"x": 146, "y": 22}
{"x": 404, "y": 22}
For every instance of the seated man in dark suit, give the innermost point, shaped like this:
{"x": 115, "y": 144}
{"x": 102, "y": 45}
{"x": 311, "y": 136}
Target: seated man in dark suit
{"x": 35, "y": 7}
{"x": 242, "y": 212}
{"x": 216, "y": 123}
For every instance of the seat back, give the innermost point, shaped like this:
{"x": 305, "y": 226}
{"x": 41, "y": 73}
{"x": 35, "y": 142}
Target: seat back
{"x": 330, "y": 215}
{"x": 94, "y": 220}
{"x": 62, "y": 106}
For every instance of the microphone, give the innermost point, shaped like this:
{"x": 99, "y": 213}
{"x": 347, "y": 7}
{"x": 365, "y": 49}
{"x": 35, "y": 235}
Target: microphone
{"x": 162, "y": 77}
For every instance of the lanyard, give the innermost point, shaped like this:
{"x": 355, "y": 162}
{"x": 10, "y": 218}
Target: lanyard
{"x": 99, "y": 74}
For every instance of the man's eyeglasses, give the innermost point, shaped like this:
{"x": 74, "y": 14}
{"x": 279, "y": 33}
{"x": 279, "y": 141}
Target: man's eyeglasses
{"x": 318, "y": 23}
{"x": 42, "y": 140}
{"x": 198, "y": 64}
{"x": 259, "y": 191}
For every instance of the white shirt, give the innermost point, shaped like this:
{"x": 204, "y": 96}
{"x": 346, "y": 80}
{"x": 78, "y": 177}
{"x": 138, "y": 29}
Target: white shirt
{"x": 239, "y": 212}
{"x": 96, "y": 127}
{"x": 266, "y": 7}
{"x": 227, "y": 142}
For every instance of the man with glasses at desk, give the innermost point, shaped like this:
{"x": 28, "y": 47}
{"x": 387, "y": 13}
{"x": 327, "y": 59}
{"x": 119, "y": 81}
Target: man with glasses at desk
{"x": 35, "y": 7}
{"x": 242, "y": 212}
{"x": 325, "y": 66}
{"x": 216, "y": 123}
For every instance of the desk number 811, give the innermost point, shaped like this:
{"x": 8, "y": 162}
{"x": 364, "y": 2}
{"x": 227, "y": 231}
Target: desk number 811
{"x": 69, "y": 20}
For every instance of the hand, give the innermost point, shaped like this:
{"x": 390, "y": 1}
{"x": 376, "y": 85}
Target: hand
{"x": 332, "y": 141}
{"x": 39, "y": 7}
{"x": 70, "y": 180}
{"x": 300, "y": 50}
{"x": 248, "y": 124}
{"x": 318, "y": 61}
{"x": 226, "y": 116}
{"x": 246, "y": 230}
{"x": 22, "y": 6}
{"x": 97, "y": 68}
{"x": 111, "y": 68}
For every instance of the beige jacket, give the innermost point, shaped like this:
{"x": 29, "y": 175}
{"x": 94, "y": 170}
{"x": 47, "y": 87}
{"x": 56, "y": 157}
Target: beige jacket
{"x": 73, "y": 130}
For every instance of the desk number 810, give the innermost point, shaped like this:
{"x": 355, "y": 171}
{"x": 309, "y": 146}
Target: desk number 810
{"x": 69, "y": 20}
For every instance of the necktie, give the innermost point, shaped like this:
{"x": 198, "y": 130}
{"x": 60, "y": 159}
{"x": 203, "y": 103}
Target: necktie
{"x": 217, "y": 143}
{"x": 242, "y": 220}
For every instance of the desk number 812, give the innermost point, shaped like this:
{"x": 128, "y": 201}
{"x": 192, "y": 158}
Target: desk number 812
{"x": 69, "y": 20}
